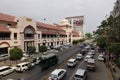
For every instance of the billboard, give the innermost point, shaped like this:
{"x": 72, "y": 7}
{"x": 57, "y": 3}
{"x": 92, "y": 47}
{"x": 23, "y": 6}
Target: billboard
{"x": 76, "y": 21}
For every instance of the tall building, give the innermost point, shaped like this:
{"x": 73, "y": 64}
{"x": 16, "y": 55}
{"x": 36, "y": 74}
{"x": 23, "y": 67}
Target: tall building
{"x": 77, "y": 23}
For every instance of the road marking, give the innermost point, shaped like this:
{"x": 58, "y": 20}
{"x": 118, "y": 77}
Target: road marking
{"x": 60, "y": 65}
{"x": 71, "y": 78}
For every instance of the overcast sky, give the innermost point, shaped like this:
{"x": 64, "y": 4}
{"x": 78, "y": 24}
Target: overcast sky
{"x": 56, "y": 10}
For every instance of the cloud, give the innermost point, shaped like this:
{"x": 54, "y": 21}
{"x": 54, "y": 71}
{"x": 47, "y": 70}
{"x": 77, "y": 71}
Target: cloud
{"x": 55, "y": 10}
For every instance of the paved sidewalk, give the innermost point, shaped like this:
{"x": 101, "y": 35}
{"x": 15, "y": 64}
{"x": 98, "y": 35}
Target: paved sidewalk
{"x": 13, "y": 63}
{"x": 115, "y": 73}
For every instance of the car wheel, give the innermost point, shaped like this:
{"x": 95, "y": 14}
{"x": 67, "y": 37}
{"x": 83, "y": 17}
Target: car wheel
{"x": 23, "y": 70}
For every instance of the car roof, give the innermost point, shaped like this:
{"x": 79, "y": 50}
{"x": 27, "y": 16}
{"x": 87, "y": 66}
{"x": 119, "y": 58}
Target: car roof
{"x": 79, "y": 54}
{"x": 100, "y": 54}
{"x": 56, "y": 71}
{"x": 71, "y": 60}
{"x": 80, "y": 72}
{"x": 91, "y": 61}
{"x": 89, "y": 52}
{"x": 88, "y": 56}
{"x": 23, "y": 63}
{"x": 2, "y": 67}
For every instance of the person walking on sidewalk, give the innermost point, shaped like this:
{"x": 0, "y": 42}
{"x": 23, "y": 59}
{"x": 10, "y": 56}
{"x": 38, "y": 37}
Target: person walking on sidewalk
{"x": 113, "y": 68}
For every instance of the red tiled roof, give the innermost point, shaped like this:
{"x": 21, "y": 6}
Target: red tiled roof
{"x": 75, "y": 33}
{"x": 4, "y": 29}
{"x": 6, "y": 17}
{"x": 48, "y": 26}
{"x": 62, "y": 33}
{"x": 48, "y": 32}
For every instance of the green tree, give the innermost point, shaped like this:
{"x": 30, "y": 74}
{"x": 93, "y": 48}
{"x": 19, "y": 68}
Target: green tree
{"x": 16, "y": 53}
{"x": 42, "y": 48}
{"x": 108, "y": 35}
{"x": 88, "y": 36}
{"x": 31, "y": 49}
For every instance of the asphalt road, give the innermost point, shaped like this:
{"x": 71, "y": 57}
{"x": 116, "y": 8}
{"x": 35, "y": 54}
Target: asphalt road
{"x": 37, "y": 74}
{"x": 101, "y": 72}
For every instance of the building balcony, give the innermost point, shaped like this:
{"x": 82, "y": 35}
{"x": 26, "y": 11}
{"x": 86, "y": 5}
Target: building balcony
{"x": 28, "y": 37}
{"x": 4, "y": 38}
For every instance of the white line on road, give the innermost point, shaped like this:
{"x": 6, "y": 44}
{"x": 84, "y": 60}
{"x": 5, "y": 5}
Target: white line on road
{"x": 71, "y": 78}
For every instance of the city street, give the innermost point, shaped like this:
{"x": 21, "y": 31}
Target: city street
{"x": 37, "y": 74}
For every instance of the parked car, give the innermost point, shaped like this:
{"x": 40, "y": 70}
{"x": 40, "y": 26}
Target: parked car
{"x": 57, "y": 74}
{"x": 80, "y": 74}
{"x": 72, "y": 62}
{"x": 4, "y": 70}
{"x": 4, "y": 57}
{"x": 36, "y": 60}
{"x": 24, "y": 58}
{"x": 91, "y": 64}
{"x": 100, "y": 57}
{"x": 79, "y": 56}
{"x": 21, "y": 67}
{"x": 15, "y": 79}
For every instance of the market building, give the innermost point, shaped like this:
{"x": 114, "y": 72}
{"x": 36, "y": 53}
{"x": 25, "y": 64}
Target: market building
{"x": 23, "y": 32}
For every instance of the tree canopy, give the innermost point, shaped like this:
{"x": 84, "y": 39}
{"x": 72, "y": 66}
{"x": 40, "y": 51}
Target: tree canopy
{"x": 42, "y": 48}
{"x": 31, "y": 49}
{"x": 108, "y": 34}
{"x": 88, "y": 35}
{"x": 16, "y": 53}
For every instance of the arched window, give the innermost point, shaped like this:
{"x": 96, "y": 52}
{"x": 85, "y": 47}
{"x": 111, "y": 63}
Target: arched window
{"x": 29, "y": 33}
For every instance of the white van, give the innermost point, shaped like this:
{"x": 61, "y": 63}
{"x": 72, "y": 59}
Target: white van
{"x": 21, "y": 67}
{"x": 81, "y": 74}
{"x": 72, "y": 62}
{"x": 4, "y": 70}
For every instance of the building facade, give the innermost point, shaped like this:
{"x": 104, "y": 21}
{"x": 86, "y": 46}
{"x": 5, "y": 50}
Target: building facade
{"x": 23, "y": 32}
{"x": 77, "y": 23}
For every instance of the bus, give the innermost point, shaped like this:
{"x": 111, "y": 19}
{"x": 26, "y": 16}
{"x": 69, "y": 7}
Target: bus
{"x": 48, "y": 60}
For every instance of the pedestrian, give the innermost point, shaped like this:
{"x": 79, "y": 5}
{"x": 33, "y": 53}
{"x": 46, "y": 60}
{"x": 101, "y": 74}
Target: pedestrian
{"x": 104, "y": 59}
{"x": 113, "y": 68}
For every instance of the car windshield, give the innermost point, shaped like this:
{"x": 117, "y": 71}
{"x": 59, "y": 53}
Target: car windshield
{"x": 53, "y": 76}
{"x": 18, "y": 66}
{"x": 78, "y": 76}
{"x": 70, "y": 62}
{"x": 92, "y": 64}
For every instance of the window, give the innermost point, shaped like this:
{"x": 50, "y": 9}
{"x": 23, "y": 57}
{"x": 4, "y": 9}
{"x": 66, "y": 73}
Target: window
{"x": 4, "y": 69}
{"x": 15, "y": 35}
{"x": 38, "y": 36}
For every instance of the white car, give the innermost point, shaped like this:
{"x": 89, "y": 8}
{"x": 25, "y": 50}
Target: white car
{"x": 4, "y": 70}
{"x": 100, "y": 57}
{"x": 88, "y": 57}
{"x": 72, "y": 62}
{"x": 79, "y": 56}
{"x": 24, "y": 58}
{"x": 57, "y": 74}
